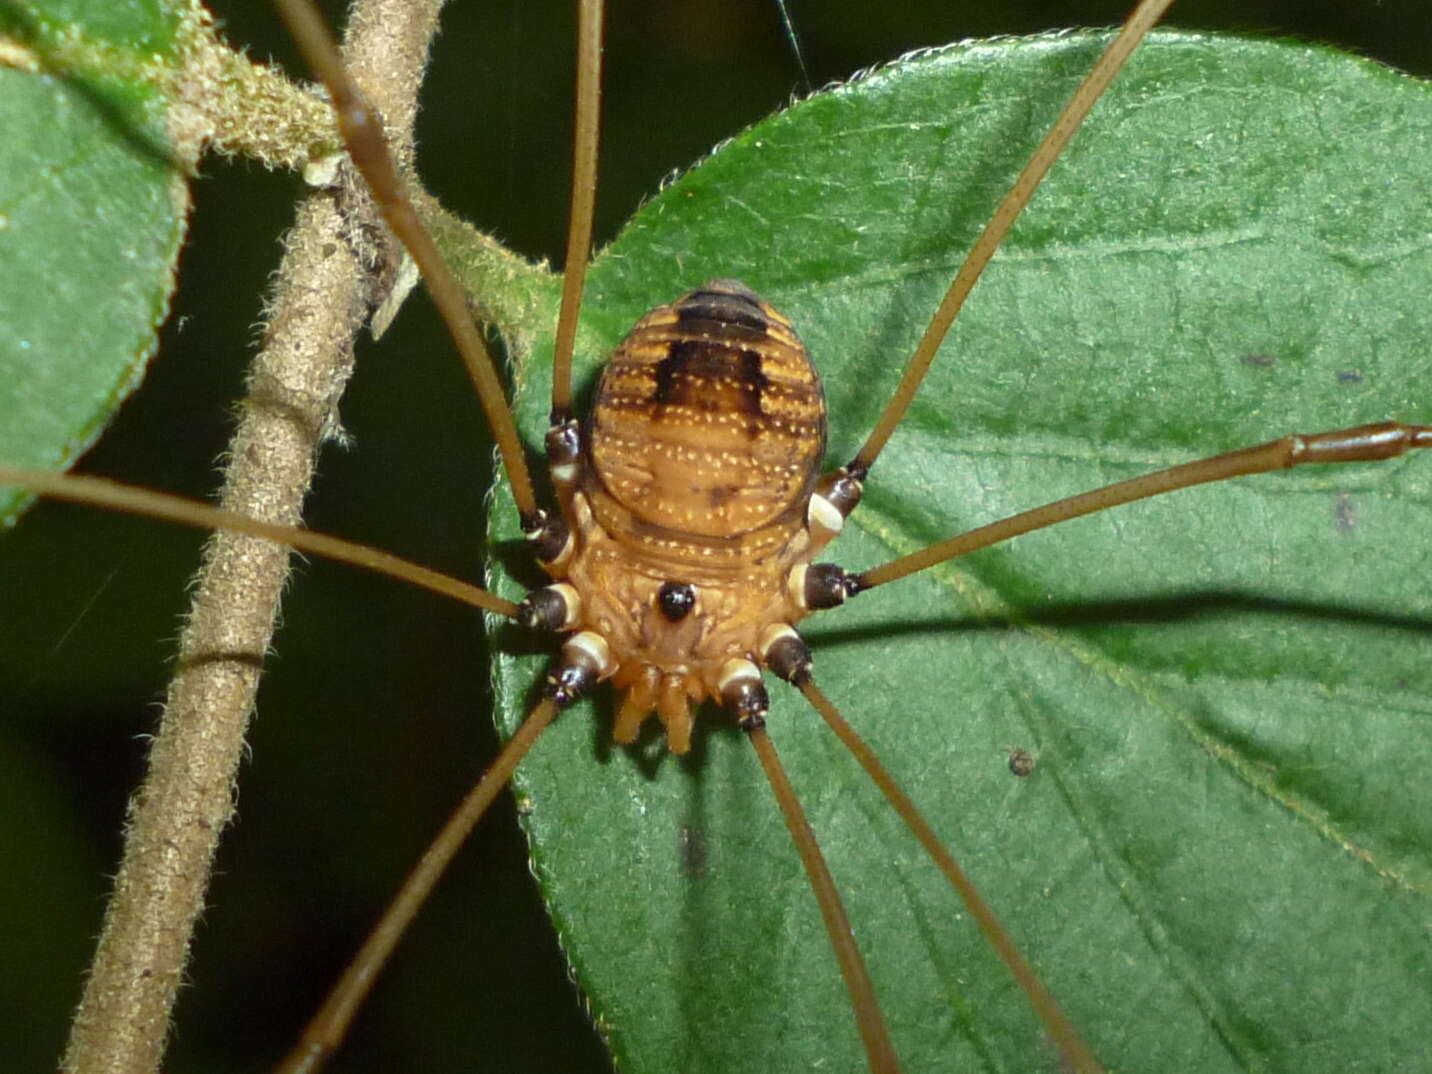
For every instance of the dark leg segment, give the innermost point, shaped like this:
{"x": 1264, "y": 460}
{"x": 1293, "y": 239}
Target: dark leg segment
{"x": 1362, "y": 443}
{"x": 878, "y": 1049}
{"x": 584, "y": 198}
{"x": 1075, "y": 1054}
{"x": 1139, "y": 23}
{"x": 327, "y": 1028}
{"x": 101, "y": 492}
{"x": 363, "y": 135}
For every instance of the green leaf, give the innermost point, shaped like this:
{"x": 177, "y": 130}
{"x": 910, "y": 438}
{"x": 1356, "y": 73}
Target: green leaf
{"x": 91, "y": 217}
{"x": 1221, "y": 861}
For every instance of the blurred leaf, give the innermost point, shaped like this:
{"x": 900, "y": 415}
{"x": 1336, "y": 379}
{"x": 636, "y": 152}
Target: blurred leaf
{"x": 1221, "y": 861}
{"x": 91, "y": 217}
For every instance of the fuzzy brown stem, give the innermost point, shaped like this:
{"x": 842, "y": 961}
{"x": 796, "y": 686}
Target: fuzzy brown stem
{"x": 319, "y": 303}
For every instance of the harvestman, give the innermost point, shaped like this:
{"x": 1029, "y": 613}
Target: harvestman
{"x": 1372, "y": 443}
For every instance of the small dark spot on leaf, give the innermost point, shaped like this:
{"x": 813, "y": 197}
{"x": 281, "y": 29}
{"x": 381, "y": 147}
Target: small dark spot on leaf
{"x": 1021, "y": 762}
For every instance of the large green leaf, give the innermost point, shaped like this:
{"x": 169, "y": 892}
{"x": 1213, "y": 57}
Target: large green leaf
{"x": 92, "y": 212}
{"x": 1222, "y": 859}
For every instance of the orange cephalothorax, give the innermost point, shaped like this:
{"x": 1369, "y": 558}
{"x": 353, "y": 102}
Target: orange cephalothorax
{"x": 691, "y": 508}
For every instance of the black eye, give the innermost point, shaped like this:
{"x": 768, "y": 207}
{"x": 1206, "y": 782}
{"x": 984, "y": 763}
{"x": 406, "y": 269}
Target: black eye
{"x": 675, "y": 600}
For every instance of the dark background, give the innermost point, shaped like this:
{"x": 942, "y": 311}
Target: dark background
{"x": 372, "y": 723}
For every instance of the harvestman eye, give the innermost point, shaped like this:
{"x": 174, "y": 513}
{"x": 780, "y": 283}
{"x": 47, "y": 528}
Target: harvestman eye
{"x": 676, "y": 601}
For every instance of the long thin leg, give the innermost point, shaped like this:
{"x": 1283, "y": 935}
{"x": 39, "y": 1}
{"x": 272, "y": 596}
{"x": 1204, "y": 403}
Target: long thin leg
{"x": 100, "y": 492}
{"x": 878, "y": 1049}
{"x": 363, "y": 135}
{"x": 325, "y": 1031}
{"x": 1075, "y": 1054}
{"x": 1362, "y": 443}
{"x": 584, "y": 197}
{"x": 1090, "y": 90}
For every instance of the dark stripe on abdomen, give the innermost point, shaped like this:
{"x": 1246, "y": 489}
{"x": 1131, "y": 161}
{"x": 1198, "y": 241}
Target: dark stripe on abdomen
{"x": 711, "y": 377}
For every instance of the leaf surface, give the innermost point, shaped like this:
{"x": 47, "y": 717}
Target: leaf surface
{"x": 91, "y": 218}
{"x": 1221, "y": 859}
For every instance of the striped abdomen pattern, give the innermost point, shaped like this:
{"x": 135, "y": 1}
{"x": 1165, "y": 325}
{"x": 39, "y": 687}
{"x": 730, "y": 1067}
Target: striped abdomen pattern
{"x": 709, "y": 418}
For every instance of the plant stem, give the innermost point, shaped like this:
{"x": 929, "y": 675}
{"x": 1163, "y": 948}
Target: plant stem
{"x": 321, "y": 297}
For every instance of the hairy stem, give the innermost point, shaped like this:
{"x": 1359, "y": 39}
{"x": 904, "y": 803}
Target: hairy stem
{"x": 320, "y": 300}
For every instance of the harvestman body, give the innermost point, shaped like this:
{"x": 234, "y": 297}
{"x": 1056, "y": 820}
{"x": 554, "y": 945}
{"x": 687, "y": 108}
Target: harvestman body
{"x": 686, "y": 538}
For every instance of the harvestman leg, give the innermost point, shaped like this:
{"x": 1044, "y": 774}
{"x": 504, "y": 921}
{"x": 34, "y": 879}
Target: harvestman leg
{"x": 364, "y": 139}
{"x": 1359, "y": 444}
{"x": 123, "y": 1018}
{"x": 363, "y": 136}
{"x": 797, "y": 669}
{"x": 1364, "y": 443}
{"x": 369, "y": 152}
